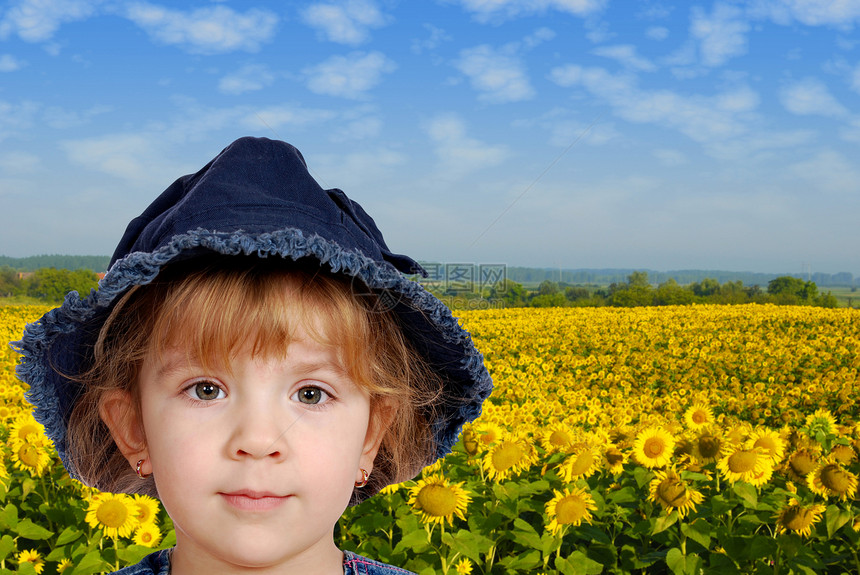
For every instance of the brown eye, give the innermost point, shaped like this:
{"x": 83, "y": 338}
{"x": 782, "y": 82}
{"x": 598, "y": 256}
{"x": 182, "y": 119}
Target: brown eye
{"x": 206, "y": 390}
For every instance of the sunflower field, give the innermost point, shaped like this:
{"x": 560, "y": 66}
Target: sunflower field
{"x": 684, "y": 440}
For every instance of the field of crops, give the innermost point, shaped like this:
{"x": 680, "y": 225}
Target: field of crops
{"x": 701, "y": 439}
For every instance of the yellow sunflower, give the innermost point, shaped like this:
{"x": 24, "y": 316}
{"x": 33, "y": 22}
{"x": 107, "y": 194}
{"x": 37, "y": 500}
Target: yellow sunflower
{"x": 31, "y": 556}
{"x": 799, "y": 519}
{"x": 614, "y": 459}
{"x": 463, "y": 567}
{"x": 769, "y": 442}
{"x": 437, "y": 501}
{"x": 145, "y": 509}
{"x": 508, "y": 457}
{"x": 114, "y": 513}
{"x": 672, "y": 492}
{"x": 571, "y": 507}
{"x": 707, "y": 445}
{"x": 698, "y": 416}
{"x": 822, "y": 421}
{"x": 831, "y": 479}
{"x": 488, "y": 433}
{"x": 843, "y": 453}
{"x": 557, "y": 438}
{"x": 470, "y": 441}
{"x": 653, "y": 447}
{"x": 25, "y": 428}
{"x": 801, "y": 463}
{"x": 582, "y": 463}
{"x": 743, "y": 464}
{"x": 30, "y": 456}
{"x": 147, "y": 535}
{"x": 63, "y": 565}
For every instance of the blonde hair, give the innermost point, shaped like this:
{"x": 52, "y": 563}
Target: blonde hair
{"x": 214, "y": 306}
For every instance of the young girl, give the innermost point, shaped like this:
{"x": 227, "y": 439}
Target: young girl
{"x": 256, "y": 358}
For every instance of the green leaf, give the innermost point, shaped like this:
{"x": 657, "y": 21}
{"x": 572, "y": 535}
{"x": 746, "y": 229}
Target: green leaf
{"x": 57, "y": 554}
{"x": 719, "y": 505}
{"x": 522, "y": 561}
{"x": 676, "y": 561}
{"x": 7, "y": 544}
{"x": 577, "y": 564}
{"x": 663, "y": 522}
{"x": 29, "y": 530}
{"x": 642, "y": 476}
{"x": 90, "y": 563}
{"x": 69, "y": 534}
{"x": 414, "y": 540}
{"x": 763, "y": 546}
{"x": 699, "y": 531}
{"x": 790, "y": 544}
{"x": 26, "y": 568}
{"x": 133, "y": 554}
{"x": 747, "y": 494}
{"x": 623, "y": 495}
{"x": 835, "y": 517}
{"x": 9, "y": 516}
{"x": 721, "y": 564}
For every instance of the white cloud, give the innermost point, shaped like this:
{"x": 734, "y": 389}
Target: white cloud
{"x": 705, "y": 119}
{"x": 126, "y": 156}
{"x": 436, "y": 36}
{"x": 19, "y": 162}
{"x": 39, "y": 20}
{"x": 538, "y": 37}
{"x": 211, "y": 30}
{"x": 347, "y": 22}
{"x": 248, "y": 78}
{"x": 278, "y": 117}
{"x": 839, "y": 13}
{"x": 810, "y": 97}
{"x": 9, "y": 63}
{"x": 657, "y": 33}
{"x": 829, "y": 170}
{"x": 349, "y": 76}
{"x": 498, "y": 76}
{"x": 626, "y": 55}
{"x": 669, "y": 157}
{"x": 854, "y": 78}
{"x": 459, "y": 154}
{"x": 62, "y": 119}
{"x": 721, "y": 35}
{"x": 15, "y": 117}
{"x": 487, "y": 9}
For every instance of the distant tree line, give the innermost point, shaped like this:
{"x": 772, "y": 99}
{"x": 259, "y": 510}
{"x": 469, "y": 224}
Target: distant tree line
{"x": 638, "y": 291}
{"x": 49, "y": 285}
{"x": 534, "y": 276}
{"x": 33, "y": 263}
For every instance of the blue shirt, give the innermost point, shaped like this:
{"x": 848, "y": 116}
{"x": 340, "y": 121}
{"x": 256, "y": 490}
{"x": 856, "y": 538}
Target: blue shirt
{"x": 158, "y": 563}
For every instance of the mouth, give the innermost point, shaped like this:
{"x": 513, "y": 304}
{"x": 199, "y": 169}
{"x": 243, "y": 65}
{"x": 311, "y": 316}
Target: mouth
{"x": 249, "y": 500}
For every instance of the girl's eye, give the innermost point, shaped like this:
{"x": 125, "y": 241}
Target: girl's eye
{"x": 206, "y": 391}
{"x": 311, "y": 395}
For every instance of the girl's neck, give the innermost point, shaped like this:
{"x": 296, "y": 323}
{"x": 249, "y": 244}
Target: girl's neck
{"x": 313, "y": 562}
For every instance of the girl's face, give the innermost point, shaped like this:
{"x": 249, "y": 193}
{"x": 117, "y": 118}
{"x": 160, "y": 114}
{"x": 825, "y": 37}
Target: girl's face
{"x": 255, "y": 464}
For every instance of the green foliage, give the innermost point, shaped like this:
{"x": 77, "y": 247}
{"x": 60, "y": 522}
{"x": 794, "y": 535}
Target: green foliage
{"x": 51, "y": 285}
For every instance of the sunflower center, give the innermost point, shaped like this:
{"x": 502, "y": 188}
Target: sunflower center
{"x": 699, "y": 417}
{"x": 507, "y": 455}
{"x": 112, "y": 514}
{"x": 709, "y": 446}
{"x": 742, "y": 461}
{"x": 802, "y": 464}
{"x": 613, "y": 456}
{"x": 570, "y": 509}
{"x": 654, "y": 447}
{"x": 835, "y": 479}
{"x": 843, "y": 453}
{"x": 143, "y": 515}
{"x": 767, "y": 444}
{"x": 437, "y": 500}
{"x": 29, "y": 455}
{"x": 582, "y": 463}
{"x": 672, "y": 492}
{"x": 797, "y": 518}
{"x": 146, "y": 537}
{"x": 560, "y": 438}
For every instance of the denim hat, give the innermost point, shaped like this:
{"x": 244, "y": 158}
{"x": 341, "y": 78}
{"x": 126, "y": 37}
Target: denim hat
{"x": 255, "y": 198}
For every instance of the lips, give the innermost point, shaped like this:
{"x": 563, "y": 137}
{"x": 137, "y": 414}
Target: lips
{"x": 250, "y": 500}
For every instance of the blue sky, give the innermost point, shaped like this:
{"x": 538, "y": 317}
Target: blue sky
{"x": 562, "y": 133}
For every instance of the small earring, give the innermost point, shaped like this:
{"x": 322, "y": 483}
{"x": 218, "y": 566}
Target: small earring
{"x": 139, "y": 474}
{"x": 364, "y": 476}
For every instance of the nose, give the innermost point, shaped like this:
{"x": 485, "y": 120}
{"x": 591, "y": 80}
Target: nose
{"x": 259, "y": 432}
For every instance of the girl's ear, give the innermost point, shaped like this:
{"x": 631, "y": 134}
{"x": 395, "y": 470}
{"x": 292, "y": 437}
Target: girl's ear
{"x": 118, "y": 410}
{"x": 381, "y": 417}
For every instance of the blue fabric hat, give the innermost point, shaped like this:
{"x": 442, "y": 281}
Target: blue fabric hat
{"x": 255, "y": 198}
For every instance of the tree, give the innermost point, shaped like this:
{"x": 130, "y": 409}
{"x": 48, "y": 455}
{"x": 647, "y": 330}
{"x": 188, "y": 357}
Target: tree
{"x": 670, "y": 293}
{"x": 51, "y": 284}
{"x": 636, "y": 292}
